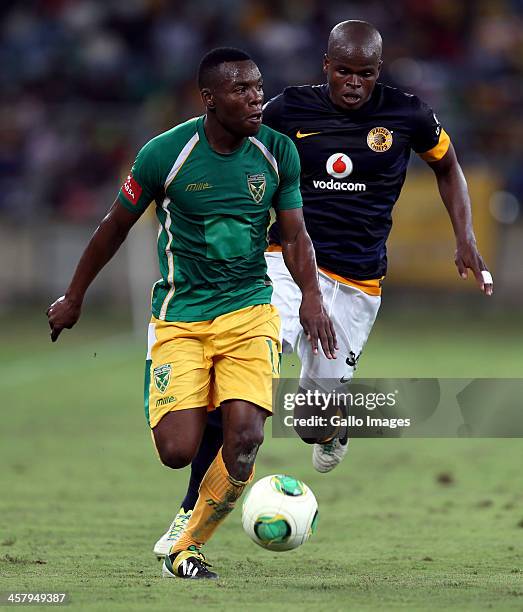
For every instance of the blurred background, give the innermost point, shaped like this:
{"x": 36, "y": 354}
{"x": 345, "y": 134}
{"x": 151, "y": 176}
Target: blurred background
{"x": 84, "y": 84}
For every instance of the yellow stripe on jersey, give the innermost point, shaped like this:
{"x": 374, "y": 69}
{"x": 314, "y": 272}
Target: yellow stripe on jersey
{"x": 370, "y": 287}
{"x": 439, "y": 151}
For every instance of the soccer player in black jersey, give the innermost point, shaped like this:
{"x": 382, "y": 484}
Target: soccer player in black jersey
{"x": 354, "y": 137}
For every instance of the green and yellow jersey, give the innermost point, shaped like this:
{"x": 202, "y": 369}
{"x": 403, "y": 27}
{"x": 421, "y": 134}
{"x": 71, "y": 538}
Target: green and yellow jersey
{"x": 213, "y": 211}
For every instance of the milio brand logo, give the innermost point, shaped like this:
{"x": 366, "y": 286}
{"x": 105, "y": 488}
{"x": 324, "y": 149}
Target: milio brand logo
{"x": 339, "y": 166}
{"x": 163, "y": 401}
{"x": 197, "y": 186}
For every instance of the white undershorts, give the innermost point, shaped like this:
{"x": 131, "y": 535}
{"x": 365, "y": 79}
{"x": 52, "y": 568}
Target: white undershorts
{"x": 352, "y": 311}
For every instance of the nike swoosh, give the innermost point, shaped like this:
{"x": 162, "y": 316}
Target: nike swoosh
{"x": 300, "y": 135}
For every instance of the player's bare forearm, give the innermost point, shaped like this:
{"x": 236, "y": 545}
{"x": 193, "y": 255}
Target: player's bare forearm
{"x": 102, "y": 246}
{"x": 454, "y": 193}
{"x": 104, "y": 243}
{"x": 299, "y": 257}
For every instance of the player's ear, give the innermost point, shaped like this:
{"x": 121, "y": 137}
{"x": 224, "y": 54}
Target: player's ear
{"x": 325, "y": 63}
{"x": 207, "y": 98}
{"x": 380, "y": 64}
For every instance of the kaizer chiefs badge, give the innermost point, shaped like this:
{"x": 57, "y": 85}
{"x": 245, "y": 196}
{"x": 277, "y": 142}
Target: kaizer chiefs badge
{"x": 379, "y": 139}
{"x": 256, "y": 183}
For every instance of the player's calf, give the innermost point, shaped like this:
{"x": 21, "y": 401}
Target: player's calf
{"x": 228, "y": 474}
{"x": 316, "y": 403}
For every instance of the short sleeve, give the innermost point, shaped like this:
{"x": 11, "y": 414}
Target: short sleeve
{"x": 428, "y": 138}
{"x": 272, "y": 112}
{"x": 288, "y": 194}
{"x": 143, "y": 183}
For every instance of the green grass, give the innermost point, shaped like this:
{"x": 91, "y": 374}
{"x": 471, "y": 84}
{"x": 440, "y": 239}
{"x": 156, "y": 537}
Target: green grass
{"x": 83, "y": 497}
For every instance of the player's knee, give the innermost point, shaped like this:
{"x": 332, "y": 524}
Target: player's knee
{"x": 303, "y": 414}
{"x": 244, "y": 451}
{"x": 249, "y": 440}
{"x": 175, "y": 456}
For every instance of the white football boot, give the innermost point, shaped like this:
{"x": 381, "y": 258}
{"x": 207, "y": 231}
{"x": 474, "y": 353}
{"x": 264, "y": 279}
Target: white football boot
{"x": 325, "y": 457}
{"x": 164, "y": 544}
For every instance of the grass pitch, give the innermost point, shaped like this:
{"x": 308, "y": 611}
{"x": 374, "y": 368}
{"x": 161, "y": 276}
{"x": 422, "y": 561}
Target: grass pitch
{"x": 404, "y": 524}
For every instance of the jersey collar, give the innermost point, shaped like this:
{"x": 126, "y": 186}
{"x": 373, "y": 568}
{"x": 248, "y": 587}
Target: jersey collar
{"x": 207, "y": 146}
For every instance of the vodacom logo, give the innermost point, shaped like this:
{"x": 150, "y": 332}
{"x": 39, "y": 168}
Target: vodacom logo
{"x": 339, "y": 165}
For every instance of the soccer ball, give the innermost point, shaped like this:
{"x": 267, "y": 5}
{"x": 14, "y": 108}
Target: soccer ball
{"x": 280, "y": 512}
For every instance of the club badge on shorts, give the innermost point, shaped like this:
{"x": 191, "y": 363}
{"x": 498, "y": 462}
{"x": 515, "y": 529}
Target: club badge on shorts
{"x": 162, "y": 376}
{"x": 379, "y": 139}
{"x": 256, "y": 184}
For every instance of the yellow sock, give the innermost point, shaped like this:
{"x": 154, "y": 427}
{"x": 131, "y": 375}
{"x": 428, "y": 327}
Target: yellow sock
{"x": 217, "y": 497}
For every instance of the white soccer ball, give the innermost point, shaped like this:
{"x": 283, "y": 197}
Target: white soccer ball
{"x": 280, "y": 512}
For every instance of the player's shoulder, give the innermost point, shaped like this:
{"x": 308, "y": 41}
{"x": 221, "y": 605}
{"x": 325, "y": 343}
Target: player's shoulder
{"x": 298, "y": 98}
{"x": 399, "y": 99}
{"x": 159, "y": 154}
{"x": 297, "y": 104}
{"x": 275, "y": 142}
{"x": 174, "y": 139}
{"x": 305, "y": 95}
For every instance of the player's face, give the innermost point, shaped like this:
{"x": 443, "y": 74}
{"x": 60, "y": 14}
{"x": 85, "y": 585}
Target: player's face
{"x": 238, "y": 98}
{"x": 351, "y": 77}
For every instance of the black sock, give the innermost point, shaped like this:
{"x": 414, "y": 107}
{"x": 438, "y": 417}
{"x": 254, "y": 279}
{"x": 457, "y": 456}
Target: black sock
{"x": 211, "y": 443}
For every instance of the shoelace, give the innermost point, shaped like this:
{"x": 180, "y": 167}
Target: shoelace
{"x": 178, "y": 526}
{"x": 199, "y": 555}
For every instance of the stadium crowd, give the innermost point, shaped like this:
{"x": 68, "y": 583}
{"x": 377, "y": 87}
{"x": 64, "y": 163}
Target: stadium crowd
{"x": 85, "y": 83}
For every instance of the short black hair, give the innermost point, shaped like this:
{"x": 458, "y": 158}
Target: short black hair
{"x": 214, "y": 58}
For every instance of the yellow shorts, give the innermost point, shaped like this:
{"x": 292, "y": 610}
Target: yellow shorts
{"x": 204, "y": 363}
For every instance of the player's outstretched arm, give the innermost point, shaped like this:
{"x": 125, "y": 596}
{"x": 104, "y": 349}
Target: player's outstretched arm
{"x": 298, "y": 254}
{"x": 106, "y": 240}
{"x": 454, "y": 193}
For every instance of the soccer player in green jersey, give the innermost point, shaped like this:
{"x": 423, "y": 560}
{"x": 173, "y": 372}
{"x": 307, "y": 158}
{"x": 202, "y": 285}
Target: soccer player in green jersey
{"x": 214, "y": 336}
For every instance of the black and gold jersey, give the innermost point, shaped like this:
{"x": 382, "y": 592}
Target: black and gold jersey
{"x": 353, "y": 168}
